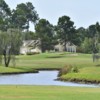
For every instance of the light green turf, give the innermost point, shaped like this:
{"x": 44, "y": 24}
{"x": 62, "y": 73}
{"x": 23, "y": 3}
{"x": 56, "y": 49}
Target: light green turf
{"x": 55, "y": 60}
{"x": 48, "y": 93}
{"x": 87, "y": 69}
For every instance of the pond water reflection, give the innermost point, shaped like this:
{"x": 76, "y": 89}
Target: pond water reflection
{"x": 41, "y": 78}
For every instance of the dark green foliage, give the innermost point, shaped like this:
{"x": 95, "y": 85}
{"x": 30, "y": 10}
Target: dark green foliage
{"x": 30, "y": 36}
{"x": 23, "y": 14}
{"x": 81, "y": 34}
{"x": 66, "y": 30}
{"x": 89, "y": 39}
{"x": 45, "y": 32}
{"x": 5, "y": 14}
{"x": 87, "y": 45}
{"x": 17, "y": 18}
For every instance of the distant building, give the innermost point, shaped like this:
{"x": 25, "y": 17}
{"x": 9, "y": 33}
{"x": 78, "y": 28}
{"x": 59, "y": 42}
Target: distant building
{"x": 59, "y": 47}
{"x": 70, "y": 47}
{"x": 32, "y": 46}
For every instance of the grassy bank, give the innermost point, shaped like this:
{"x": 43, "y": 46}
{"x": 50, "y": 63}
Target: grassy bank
{"x": 48, "y": 93}
{"x": 87, "y": 69}
{"x": 85, "y": 75}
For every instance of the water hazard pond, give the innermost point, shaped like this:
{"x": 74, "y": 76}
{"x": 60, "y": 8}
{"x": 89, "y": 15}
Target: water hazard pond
{"x": 41, "y": 78}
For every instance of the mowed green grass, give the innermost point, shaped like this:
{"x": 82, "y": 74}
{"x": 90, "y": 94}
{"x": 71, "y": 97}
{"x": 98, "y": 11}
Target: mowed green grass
{"x": 54, "y": 60}
{"x": 89, "y": 74}
{"x": 87, "y": 69}
{"x": 48, "y": 93}
{"x": 50, "y": 60}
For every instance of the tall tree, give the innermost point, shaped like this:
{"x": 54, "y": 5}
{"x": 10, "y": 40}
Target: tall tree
{"x": 5, "y": 14}
{"x": 45, "y": 32}
{"x": 65, "y": 30}
{"x": 93, "y": 32}
{"x": 23, "y": 14}
{"x": 10, "y": 43}
{"x": 81, "y": 34}
{"x": 87, "y": 45}
{"x": 30, "y": 35}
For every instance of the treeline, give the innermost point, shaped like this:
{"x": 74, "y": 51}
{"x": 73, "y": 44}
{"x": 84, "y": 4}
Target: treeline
{"x": 86, "y": 39}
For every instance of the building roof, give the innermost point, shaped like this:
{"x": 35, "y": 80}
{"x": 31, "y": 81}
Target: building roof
{"x": 31, "y": 43}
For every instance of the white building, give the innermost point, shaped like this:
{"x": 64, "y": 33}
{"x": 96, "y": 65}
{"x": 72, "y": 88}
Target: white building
{"x": 70, "y": 47}
{"x": 32, "y": 46}
{"x": 59, "y": 47}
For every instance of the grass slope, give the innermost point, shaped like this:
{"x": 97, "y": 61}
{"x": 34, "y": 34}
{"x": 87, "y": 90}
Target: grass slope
{"x": 87, "y": 69}
{"x": 48, "y": 93}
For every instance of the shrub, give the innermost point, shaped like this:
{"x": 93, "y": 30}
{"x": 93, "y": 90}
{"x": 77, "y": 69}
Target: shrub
{"x": 75, "y": 69}
{"x": 65, "y": 70}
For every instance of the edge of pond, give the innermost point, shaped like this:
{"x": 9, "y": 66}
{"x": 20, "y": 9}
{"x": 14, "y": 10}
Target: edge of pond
{"x": 36, "y": 70}
{"x": 74, "y": 80}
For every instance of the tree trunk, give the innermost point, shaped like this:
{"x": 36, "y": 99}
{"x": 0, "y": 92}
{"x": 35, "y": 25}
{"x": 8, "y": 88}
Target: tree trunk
{"x": 43, "y": 49}
{"x": 0, "y": 59}
{"x": 42, "y": 46}
{"x": 28, "y": 26}
{"x": 7, "y": 58}
{"x": 65, "y": 49}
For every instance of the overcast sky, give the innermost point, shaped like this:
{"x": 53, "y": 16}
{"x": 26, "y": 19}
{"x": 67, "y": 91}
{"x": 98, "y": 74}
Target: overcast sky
{"x": 82, "y": 12}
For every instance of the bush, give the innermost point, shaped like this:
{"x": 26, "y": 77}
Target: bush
{"x": 75, "y": 69}
{"x": 67, "y": 69}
